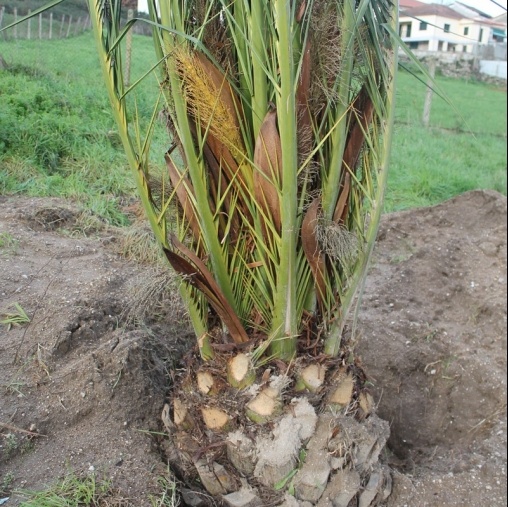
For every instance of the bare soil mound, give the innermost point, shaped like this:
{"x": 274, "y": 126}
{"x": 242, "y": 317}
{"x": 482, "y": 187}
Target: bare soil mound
{"x": 434, "y": 326}
{"x": 433, "y": 322}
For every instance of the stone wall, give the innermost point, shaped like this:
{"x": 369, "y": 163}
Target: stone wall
{"x": 461, "y": 67}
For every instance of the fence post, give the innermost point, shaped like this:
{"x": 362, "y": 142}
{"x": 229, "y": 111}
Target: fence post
{"x": 50, "y": 25}
{"x": 15, "y": 19}
{"x": 78, "y": 24}
{"x": 29, "y": 26}
{"x": 128, "y": 51}
{"x": 429, "y": 93}
{"x": 61, "y": 26}
{"x": 2, "y": 10}
{"x": 69, "y": 26}
{"x": 40, "y": 25}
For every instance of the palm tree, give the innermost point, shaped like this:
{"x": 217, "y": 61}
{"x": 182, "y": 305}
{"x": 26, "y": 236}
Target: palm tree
{"x": 279, "y": 116}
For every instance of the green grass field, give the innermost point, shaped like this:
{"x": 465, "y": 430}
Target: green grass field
{"x": 464, "y": 149}
{"x": 57, "y": 135}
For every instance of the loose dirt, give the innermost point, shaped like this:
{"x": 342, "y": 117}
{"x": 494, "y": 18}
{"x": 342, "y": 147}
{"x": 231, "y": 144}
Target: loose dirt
{"x": 89, "y": 384}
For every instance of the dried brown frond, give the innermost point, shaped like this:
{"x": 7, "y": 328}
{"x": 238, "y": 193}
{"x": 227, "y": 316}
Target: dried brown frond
{"x": 312, "y": 249}
{"x": 268, "y": 164}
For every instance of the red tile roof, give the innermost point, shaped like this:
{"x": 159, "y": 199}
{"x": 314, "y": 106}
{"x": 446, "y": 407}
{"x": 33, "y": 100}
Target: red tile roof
{"x": 404, "y": 4}
{"x": 433, "y": 9}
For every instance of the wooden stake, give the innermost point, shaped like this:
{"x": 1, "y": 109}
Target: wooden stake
{"x": 429, "y": 93}
{"x": 69, "y": 26}
{"x": 62, "y": 26}
{"x": 128, "y": 51}
{"x": 2, "y": 11}
{"x": 29, "y": 26}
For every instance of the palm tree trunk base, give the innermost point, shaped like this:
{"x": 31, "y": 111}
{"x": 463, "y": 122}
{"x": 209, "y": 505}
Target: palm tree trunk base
{"x": 312, "y": 452}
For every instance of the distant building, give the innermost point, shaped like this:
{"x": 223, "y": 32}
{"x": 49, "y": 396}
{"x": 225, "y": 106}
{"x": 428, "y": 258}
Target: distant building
{"x": 457, "y": 28}
{"x": 409, "y": 4}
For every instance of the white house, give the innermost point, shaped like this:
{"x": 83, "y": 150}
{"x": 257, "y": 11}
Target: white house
{"x": 433, "y": 27}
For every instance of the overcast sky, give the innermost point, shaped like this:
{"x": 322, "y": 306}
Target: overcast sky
{"x": 487, "y": 6}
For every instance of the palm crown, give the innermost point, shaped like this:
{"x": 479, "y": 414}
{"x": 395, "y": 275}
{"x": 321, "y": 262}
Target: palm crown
{"x": 279, "y": 114}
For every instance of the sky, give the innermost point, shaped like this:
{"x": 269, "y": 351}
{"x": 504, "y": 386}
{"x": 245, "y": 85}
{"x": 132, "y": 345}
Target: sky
{"x": 487, "y": 6}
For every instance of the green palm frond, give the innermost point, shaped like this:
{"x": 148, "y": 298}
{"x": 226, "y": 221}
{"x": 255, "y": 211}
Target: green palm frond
{"x": 280, "y": 117}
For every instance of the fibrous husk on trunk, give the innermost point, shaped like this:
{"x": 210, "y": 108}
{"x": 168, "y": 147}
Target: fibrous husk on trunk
{"x": 316, "y": 446}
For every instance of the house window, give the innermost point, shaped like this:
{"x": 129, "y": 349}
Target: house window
{"x": 466, "y": 30}
{"x": 413, "y": 45}
{"x": 408, "y": 32}
{"x": 447, "y": 28}
{"x": 481, "y": 35}
{"x": 498, "y": 35}
{"x": 423, "y": 26}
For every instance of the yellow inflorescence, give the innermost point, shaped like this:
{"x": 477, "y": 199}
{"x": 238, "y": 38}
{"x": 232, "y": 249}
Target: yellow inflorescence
{"x": 205, "y": 102}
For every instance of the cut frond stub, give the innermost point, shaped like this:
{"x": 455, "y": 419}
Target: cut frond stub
{"x": 265, "y": 407}
{"x": 181, "y": 416}
{"x": 311, "y": 378}
{"x": 205, "y": 382}
{"x": 341, "y": 394}
{"x": 240, "y": 372}
{"x": 215, "y": 419}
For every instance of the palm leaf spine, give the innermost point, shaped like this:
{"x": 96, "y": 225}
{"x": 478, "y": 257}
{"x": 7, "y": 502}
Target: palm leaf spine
{"x": 260, "y": 96}
{"x": 285, "y": 324}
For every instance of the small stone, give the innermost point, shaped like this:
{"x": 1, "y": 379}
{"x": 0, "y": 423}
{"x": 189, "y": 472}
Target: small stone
{"x": 241, "y": 452}
{"x": 192, "y": 498}
{"x": 290, "y": 501}
{"x": 215, "y": 478}
{"x": 337, "y": 463}
{"x": 242, "y": 498}
{"x": 343, "y": 486}
{"x": 371, "y": 490}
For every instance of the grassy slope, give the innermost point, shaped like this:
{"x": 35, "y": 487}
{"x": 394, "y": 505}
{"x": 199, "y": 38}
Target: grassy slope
{"x": 464, "y": 149}
{"x": 56, "y": 131}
